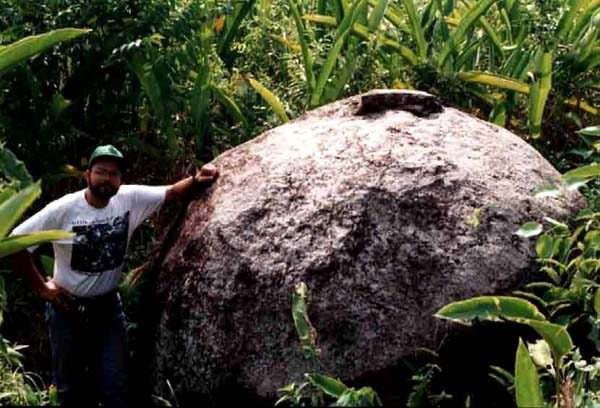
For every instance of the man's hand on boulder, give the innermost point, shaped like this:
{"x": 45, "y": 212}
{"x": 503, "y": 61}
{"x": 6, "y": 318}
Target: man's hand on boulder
{"x": 181, "y": 190}
{"x": 207, "y": 174}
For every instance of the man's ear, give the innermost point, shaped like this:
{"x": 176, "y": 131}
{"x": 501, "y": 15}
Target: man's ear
{"x": 87, "y": 174}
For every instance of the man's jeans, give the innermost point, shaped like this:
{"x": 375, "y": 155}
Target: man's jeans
{"x": 89, "y": 352}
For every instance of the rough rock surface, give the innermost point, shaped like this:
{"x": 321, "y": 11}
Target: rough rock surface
{"x": 387, "y": 215}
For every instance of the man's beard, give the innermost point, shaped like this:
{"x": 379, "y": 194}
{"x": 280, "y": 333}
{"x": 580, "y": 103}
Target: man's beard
{"x": 103, "y": 191}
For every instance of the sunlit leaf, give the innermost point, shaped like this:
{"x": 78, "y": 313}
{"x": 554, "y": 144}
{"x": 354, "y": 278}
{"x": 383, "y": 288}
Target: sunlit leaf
{"x": 494, "y": 80}
{"x": 304, "y": 328}
{"x": 597, "y": 303}
{"x": 328, "y": 385}
{"x": 13, "y": 208}
{"x": 556, "y": 223}
{"x": 17, "y": 243}
{"x": 581, "y": 174}
{"x": 539, "y": 91}
{"x": 590, "y": 131}
{"x": 27, "y": 47}
{"x": 548, "y": 190}
{"x": 543, "y": 246}
{"x": 495, "y": 308}
{"x": 270, "y": 98}
{"x": 527, "y": 382}
{"x": 530, "y": 229}
{"x": 541, "y": 354}
{"x": 556, "y": 335}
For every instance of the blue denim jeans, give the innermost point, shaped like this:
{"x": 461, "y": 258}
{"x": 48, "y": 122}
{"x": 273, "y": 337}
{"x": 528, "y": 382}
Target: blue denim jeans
{"x": 89, "y": 353}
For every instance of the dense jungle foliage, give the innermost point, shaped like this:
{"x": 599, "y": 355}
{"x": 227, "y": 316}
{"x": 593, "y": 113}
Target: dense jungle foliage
{"x": 176, "y": 82}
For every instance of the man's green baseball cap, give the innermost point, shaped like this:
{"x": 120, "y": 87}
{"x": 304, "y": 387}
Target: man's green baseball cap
{"x": 108, "y": 151}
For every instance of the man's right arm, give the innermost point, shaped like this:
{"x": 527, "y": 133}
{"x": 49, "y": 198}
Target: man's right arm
{"x": 47, "y": 290}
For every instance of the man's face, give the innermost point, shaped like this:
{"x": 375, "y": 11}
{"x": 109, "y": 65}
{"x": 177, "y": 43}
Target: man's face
{"x": 104, "y": 178}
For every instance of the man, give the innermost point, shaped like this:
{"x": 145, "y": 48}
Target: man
{"x": 84, "y": 311}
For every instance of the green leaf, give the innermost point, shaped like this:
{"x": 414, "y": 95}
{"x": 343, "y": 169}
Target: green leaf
{"x": 492, "y": 36}
{"x": 13, "y": 208}
{"x": 57, "y": 107}
{"x": 145, "y": 74}
{"x": 555, "y": 335}
{"x": 229, "y": 104}
{"x": 597, "y": 303}
{"x": 416, "y": 28}
{"x": 566, "y": 21}
{"x": 543, "y": 246}
{"x": 530, "y": 229}
{"x": 527, "y": 382}
{"x": 47, "y": 264}
{"x": 306, "y": 332}
{"x": 343, "y": 30}
{"x": 495, "y": 80}
{"x": 6, "y": 193}
{"x": 328, "y": 385}
{"x": 552, "y": 274}
{"x": 466, "y": 23}
{"x": 17, "y": 243}
{"x": 27, "y": 47}
{"x": 498, "y": 113}
{"x": 590, "y": 131}
{"x": 494, "y": 308}
{"x": 302, "y": 39}
{"x": 541, "y": 354}
{"x": 377, "y": 14}
{"x": 200, "y": 102}
{"x": 13, "y": 168}
{"x": 538, "y": 92}
{"x": 269, "y": 97}
{"x": 581, "y": 174}
{"x": 556, "y": 224}
{"x": 548, "y": 190}
{"x": 242, "y": 9}
{"x": 363, "y": 32}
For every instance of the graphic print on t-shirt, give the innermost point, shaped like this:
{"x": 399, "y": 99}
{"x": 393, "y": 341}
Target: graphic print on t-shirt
{"x": 100, "y": 247}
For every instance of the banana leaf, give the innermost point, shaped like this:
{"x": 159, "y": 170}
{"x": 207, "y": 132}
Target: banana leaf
{"x": 17, "y": 243}
{"x": 13, "y": 208}
{"x": 27, "y": 47}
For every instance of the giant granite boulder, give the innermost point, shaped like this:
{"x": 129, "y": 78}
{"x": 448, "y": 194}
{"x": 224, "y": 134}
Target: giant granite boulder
{"x": 387, "y": 205}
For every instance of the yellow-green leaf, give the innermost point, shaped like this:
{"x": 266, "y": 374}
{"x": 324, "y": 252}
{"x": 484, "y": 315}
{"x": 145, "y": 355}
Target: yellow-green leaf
{"x": 328, "y": 385}
{"x": 527, "y": 381}
{"x": 543, "y": 246}
{"x": 530, "y": 229}
{"x": 538, "y": 93}
{"x": 27, "y": 47}
{"x": 495, "y": 80}
{"x": 17, "y": 243}
{"x": 494, "y": 308}
{"x": 269, "y": 97}
{"x": 582, "y": 173}
{"x": 13, "y": 208}
{"x": 555, "y": 335}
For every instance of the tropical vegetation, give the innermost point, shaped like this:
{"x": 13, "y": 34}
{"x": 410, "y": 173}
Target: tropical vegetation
{"x": 177, "y": 82}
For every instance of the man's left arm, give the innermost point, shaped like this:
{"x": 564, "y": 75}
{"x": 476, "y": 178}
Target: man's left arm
{"x": 183, "y": 188}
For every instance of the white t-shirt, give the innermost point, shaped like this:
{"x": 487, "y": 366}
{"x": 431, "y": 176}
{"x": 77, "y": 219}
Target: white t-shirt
{"x": 90, "y": 263}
